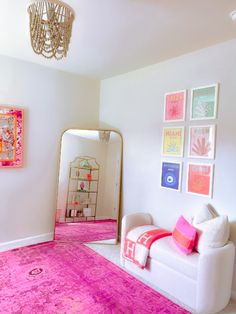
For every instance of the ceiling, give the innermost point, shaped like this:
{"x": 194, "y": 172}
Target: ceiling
{"x": 111, "y": 37}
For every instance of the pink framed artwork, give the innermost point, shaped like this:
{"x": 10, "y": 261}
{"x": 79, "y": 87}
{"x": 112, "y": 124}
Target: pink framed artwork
{"x": 202, "y": 141}
{"x": 174, "y": 106}
{"x": 199, "y": 179}
{"x": 11, "y": 137}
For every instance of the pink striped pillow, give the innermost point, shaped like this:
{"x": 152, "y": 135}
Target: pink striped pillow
{"x": 184, "y": 235}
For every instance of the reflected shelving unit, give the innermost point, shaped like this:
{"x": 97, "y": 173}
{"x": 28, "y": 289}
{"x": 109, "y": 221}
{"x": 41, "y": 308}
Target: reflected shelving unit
{"x": 82, "y": 189}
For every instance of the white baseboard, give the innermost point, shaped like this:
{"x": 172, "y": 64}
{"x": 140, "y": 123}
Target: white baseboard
{"x": 233, "y": 294}
{"x": 109, "y": 241}
{"x": 103, "y": 218}
{"x": 5, "y": 246}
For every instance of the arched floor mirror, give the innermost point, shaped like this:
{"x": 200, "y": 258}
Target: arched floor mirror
{"x": 88, "y": 199}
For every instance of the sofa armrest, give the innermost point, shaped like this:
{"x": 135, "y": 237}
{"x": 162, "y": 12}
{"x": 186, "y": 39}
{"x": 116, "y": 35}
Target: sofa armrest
{"x": 215, "y": 275}
{"x": 129, "y": 222}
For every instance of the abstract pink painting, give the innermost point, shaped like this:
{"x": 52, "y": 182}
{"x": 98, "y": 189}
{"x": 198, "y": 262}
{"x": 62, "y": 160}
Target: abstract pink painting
{"x": 174, "y": 109}
{"x": 11, "y": 137}
{"x": 202, "y": 141}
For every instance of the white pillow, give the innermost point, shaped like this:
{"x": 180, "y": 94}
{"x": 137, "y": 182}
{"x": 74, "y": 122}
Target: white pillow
{"x": 212, "y": 233}
{"x": 206, "y": 213}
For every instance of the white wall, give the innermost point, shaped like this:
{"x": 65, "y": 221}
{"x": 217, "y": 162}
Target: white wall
{"x": 74, "y": 146}
{"x": 53, "y": 102}
{"x": 133, "y": 103}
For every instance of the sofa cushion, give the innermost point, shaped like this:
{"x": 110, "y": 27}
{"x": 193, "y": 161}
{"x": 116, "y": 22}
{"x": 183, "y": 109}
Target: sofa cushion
{"x": 212, "y": 233}
{"x": 184, "y": 235}
{"x": 207, "y": 212}
{"x": 164, "y": 251}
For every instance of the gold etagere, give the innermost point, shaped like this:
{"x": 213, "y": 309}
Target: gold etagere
{"x": 82, "y": 190}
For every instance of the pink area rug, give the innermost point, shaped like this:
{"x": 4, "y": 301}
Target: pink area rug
{"x": 69, "y": 278}
{"x": 86, "y": 231}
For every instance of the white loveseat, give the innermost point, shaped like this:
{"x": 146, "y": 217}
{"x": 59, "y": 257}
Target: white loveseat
{"x": 200, "y": 281}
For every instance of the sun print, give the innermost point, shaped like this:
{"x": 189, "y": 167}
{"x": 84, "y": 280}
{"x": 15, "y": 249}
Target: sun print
{"x": 174, "y": 109}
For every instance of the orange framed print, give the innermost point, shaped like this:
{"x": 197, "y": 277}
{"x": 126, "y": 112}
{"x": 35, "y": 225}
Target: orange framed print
{"x": 199, "y": 179}
{"x": 173, "y": 141}
{"x": 11, "y": 137}
{"x": 202, "y": 141}
{"x": 174, "y": 106}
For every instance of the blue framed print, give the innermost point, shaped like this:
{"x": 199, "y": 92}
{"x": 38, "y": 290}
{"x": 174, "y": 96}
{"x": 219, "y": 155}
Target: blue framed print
{"x": 171, "y": 175}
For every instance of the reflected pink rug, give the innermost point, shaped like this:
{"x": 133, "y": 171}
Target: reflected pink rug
{"x": 86, "y": 231}
{"x": 69, "y": 278}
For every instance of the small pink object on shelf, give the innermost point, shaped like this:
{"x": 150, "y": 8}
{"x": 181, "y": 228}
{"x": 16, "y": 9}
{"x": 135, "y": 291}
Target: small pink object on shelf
{"x": 81, "y": 185}
{"x": 89, "y": 176}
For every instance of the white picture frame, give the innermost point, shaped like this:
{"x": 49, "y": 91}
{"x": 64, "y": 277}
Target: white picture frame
{"x": 199, "y": 179}
{"x": 171, "y": 175}
{"x": 204, "y": 102}
{"x": 173, "y": 141}
{"x": 175, "y": 109}
{"x": 201, "y": 142}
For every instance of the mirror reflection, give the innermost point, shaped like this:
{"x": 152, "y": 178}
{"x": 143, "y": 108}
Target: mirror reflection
{"x": 89, "y": 186}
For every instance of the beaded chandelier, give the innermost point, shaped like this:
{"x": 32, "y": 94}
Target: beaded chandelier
{"x": 50, "y": 27}
{"x": 104, "y": 136}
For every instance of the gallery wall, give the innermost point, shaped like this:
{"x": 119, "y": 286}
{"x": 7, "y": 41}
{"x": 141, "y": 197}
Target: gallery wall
{"x": 53, "y": 101}
{"x": 133, "y": 104}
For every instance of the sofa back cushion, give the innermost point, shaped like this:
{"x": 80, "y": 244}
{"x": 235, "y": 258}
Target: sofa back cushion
{"x": 184, "y": 235}
{"x": 207, "y": 212}
{"x": 212, "y": 233}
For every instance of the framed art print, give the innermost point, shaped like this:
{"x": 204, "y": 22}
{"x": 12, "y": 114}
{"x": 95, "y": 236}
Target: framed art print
{"x": 11, "y": 137}
{"x": 204, "y": 102}
{"x": 174, "y": 106}
{"x": 173, "y": 141}
{"x": 199, "y": 179}
{"x": 171, "y": 175}
{"x": 202, "y": 141}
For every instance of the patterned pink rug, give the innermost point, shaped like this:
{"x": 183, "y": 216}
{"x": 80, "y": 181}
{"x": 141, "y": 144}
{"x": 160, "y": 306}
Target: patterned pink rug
{"x": 69, "y": 278}
{"x": 86, "y": 231}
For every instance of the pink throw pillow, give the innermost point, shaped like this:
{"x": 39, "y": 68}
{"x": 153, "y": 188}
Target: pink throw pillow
{"x": 184, "y": 235}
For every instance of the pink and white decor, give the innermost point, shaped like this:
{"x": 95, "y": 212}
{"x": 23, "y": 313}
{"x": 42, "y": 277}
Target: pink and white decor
{"x": 11, "y": 137}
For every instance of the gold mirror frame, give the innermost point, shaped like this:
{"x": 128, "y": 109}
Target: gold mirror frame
{"x": 120, "y": 183}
